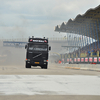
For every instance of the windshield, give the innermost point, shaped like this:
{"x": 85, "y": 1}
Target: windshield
{"x": 37, "y": 47}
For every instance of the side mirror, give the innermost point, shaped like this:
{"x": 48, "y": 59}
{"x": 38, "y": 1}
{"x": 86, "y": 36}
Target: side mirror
{"x": 50, "y": 48}
{"x": 25, "y": 46}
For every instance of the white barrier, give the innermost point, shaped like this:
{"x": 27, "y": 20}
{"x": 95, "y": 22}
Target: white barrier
{"x": 90, "y": 59}
{"x": 82, "y": 59}
{"x": 95, "y": 59}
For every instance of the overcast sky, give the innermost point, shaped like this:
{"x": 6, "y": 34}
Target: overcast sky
{"x": 24, "y": 18}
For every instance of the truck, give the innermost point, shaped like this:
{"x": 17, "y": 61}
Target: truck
{"x": 37, "y": 50}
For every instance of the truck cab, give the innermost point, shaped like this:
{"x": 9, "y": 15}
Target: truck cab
{"x": 37, "y": 50}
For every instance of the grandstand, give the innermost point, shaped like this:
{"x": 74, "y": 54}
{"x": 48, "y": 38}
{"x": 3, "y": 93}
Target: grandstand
{"x": 87, "y": 27}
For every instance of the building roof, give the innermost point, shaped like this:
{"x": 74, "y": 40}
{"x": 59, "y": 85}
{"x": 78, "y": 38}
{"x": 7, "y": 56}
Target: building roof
{"x": 87, "y": 24}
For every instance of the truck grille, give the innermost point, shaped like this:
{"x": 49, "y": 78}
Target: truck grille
{"x": 37, "y": 56}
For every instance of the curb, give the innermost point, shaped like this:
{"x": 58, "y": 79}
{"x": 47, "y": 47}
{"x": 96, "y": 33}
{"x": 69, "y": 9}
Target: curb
{"x": 88, "y": 69}
{"x": 80, "y": 68}
{"x": 72, "y": 67}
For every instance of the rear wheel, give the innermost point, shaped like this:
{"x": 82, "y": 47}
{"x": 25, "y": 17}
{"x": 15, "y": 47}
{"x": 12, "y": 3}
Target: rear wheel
{"x": 28, "y": 65}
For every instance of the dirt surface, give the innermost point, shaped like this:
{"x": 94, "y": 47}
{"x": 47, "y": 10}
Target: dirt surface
{"x": 53, "y": 69}
{"x": 49, "y": 97}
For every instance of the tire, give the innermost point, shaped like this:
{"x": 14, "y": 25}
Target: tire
{"x": 28, "y": 66}
{"x": 45, "y": 66}
{"x": 42, "y": 67}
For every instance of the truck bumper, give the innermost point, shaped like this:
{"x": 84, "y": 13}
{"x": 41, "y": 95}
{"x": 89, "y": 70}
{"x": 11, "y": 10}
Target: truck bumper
{"x": 36, "y": 63}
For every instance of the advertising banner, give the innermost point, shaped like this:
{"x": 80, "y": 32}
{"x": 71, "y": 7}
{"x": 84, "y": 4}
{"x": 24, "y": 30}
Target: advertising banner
{"x": 67, "y": 60}
{"x": 95, "y": 59}
{"x": 70, "y": 59}
{"x": 90, "y": 59}
{"x": 82, "y": 59}
{"x": 74, "y": 59}
{"x": 78, "y": 59}
{"x": 99, "y": 59}
{"x": 86, "y": 59}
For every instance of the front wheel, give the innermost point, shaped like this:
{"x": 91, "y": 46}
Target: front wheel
{"x": 45, "y": 66}
{"x": 42, "y": 67}
{"x": 28, "y": 65}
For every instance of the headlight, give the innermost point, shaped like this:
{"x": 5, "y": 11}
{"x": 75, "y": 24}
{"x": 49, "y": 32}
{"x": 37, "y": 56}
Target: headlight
{"x": 28, "y": 59}
{"x": 45, "y": 60}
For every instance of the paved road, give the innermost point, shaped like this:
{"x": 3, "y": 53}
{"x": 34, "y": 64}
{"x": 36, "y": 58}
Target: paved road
{"x": 49, "y": 85}
{"x": 55, "y": 83}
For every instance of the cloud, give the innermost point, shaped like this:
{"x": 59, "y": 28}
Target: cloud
{"x": 26, "y": 17}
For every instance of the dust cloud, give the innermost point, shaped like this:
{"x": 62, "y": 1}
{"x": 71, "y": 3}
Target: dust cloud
{"x": 15, "y": 56}
{"x": 12, "y": 55}
{"x": 56, "y": 50}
